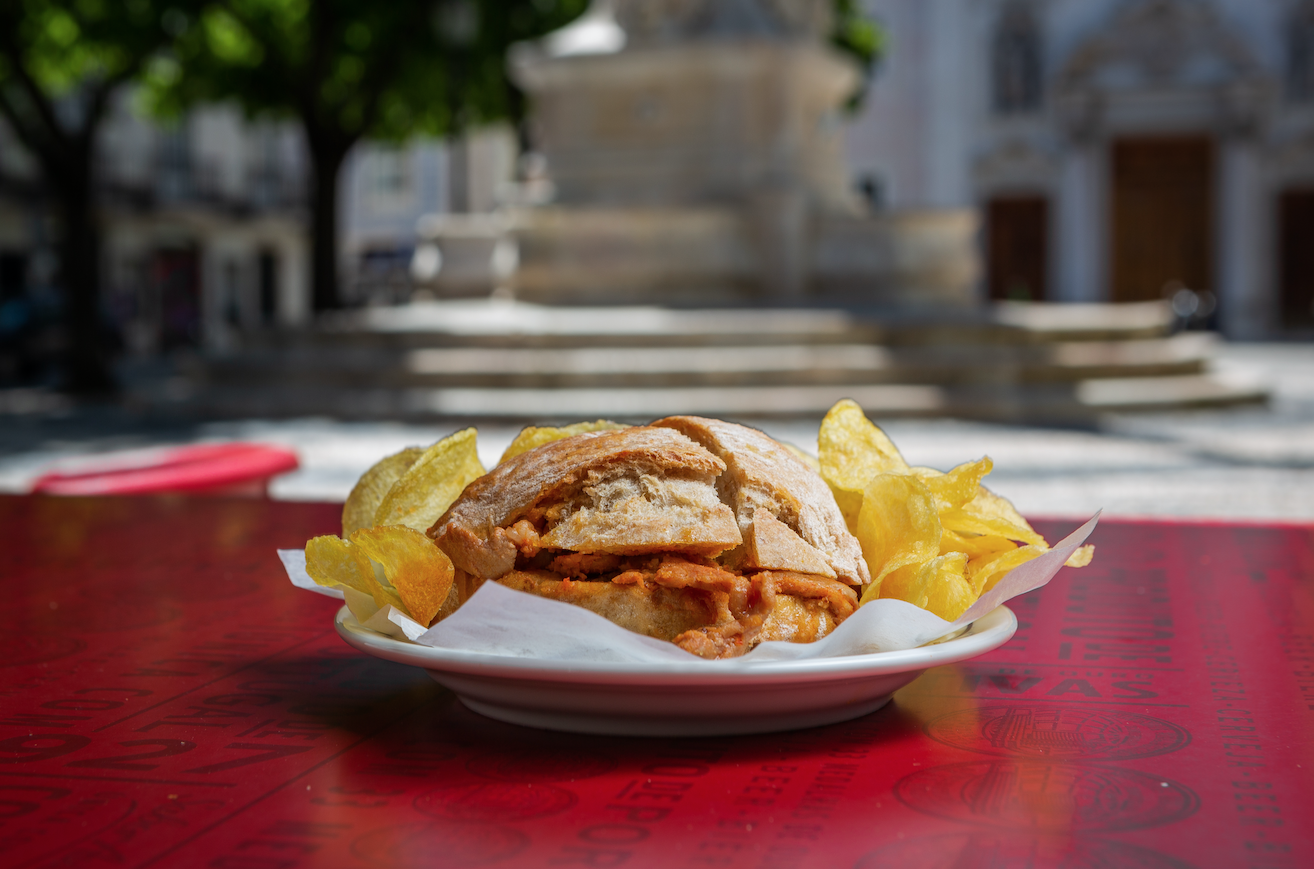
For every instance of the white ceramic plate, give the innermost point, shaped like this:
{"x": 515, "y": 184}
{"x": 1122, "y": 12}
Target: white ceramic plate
{"x": 699, "y": 698}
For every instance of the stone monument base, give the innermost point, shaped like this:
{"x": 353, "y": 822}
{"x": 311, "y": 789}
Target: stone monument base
{"x": 713, "y": 256}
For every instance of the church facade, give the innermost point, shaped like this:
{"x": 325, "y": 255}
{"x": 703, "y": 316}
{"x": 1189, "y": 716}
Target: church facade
{"x": 1118, "y": 150}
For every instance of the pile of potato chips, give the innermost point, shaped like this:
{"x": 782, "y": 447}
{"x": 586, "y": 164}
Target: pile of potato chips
{"x": 385, "y": 558}
{"x": 937, "y": 540}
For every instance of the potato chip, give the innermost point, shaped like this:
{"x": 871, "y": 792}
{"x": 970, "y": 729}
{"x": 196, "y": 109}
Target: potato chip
{"x": 985, "y": 572}
{"x": 372, "y": 487}
{"x": 332, "y": 561}
{"x": 939, "y": 585}
{"x": 1081, "y": 557}
{"x": 535, "y": 436}
{"x": 897, "y": 526}
{"x": 973, "y": 545}
{"x": 956, "y": 488}
{"x": 987, "y": 513}
{"x": 420, "y": 572}
{"x": 938, "y": 540}
{"x": 904, "y": 583}
{"x": 948, "y": 593}
{"x": 428, "y": 488}
{"x": 851, "y": 451}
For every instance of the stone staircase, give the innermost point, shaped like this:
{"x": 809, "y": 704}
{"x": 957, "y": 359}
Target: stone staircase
{"x": 503, "y": 360}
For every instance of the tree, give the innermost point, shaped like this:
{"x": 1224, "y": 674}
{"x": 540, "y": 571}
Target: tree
{"x": 857, "y": 36}
{"x": 347, "y": 70}
{"x": 61, "y": 62}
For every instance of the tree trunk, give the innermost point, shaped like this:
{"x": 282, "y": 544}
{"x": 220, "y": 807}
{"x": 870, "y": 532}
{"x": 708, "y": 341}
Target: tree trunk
{"x": 86, "y": 359}
{"x": 327, "y": 166}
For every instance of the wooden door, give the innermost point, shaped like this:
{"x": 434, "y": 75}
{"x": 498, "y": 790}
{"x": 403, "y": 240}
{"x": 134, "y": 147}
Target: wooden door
{"x": 1296, "y": 258}
{"x": 1162, "y": 216}
{"x": 1017, "y": 242}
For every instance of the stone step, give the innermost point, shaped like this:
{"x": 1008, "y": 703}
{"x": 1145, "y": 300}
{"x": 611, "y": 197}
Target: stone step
{"x": 485, "y": 323}
{"x": 1068, "y": 403}
{"x": 511, "y": 361}
{"x": 747, "y": 365}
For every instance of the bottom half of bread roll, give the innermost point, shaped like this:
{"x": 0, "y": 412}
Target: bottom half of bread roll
{"x": 705, "y": 608}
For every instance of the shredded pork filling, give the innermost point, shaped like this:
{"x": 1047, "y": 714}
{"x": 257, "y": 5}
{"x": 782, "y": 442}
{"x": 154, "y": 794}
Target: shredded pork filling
{"x": 704, "y": 607}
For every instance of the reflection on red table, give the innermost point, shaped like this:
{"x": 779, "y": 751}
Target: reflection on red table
{"x": 168, "y": 699}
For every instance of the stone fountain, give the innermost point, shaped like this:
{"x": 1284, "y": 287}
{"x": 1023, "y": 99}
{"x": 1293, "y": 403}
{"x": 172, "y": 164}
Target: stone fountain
{"x": 694, "y": 150}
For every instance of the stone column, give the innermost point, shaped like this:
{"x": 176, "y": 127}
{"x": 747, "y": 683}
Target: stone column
{"x": 1243, "y": 305}
{"x": 293, "y": 281}
{"x": 948, "y": 151}
{"x": 1081, "y": 217}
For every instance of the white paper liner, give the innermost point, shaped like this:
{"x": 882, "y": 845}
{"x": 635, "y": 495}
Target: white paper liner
{"x": 500, "y": 621}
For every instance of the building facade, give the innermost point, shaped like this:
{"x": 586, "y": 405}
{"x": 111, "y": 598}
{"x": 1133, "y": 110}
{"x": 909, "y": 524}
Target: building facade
{"x": 204, "y": 231}
{"x": 1119, "y": 150}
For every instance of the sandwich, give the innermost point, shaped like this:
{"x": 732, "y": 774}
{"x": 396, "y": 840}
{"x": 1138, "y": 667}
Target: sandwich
{"x": 700, "y": 532}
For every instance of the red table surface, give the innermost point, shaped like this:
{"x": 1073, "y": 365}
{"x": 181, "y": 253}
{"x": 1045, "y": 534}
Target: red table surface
{"x": 166, "y": 698}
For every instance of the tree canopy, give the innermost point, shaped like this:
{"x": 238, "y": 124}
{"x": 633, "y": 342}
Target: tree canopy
{"x": 60, "y": 63}
{"x": 348, "y": 70}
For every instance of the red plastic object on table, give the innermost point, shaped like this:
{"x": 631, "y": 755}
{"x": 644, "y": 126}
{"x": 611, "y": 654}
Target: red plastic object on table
{"x": 168, "y": 699}
{"x": 211, "y": 469}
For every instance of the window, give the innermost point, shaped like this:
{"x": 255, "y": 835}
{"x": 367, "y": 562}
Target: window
{"x": 390, "y": 180}
{"x": 1016, "y": 62}
{"x": 391, "y": 172}
{"x": 173, "y": 155}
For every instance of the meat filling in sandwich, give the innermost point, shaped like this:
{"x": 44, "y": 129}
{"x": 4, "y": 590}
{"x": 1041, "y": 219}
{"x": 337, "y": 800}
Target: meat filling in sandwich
{"x": 704, "y": 533}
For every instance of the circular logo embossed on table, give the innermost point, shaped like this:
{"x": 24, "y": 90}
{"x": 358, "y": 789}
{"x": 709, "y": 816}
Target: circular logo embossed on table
{"x": 1054, "y": 797}
{"x": 1058, "y": 733}
{"x": 19, "y": 649}
{"x": 495, "y": 801}
{"x": 439, "y": 843}
{"x": 1002, "y": 849}
{"x": 545, "y": 764}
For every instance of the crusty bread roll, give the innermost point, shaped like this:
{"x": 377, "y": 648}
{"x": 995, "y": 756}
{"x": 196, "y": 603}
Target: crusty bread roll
{"x": 762, "y": 474}
{"x": 707, "y": 534}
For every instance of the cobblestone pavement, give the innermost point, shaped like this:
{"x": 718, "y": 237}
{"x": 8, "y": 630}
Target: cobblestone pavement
{"x": 1251, "y": 463}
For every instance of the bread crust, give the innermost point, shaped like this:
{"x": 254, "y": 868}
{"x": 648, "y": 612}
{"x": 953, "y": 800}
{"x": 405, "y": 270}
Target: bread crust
{"x": 762, "y": 474}
{"x": 633, "y": 490}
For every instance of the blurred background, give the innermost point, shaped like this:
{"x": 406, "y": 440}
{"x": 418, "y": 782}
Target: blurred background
{"x": 1077, "y": 235}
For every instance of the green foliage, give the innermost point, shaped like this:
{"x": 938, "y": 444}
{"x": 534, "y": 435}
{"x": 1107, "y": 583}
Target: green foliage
{"x": 64, "y": 44}
{"x": 75, "y": 52}
{"x": 349, "y": 69}
{"x": 860, "y": 38}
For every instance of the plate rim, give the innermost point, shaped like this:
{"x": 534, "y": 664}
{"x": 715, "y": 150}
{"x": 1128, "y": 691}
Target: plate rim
{"x": 989, "y": 632}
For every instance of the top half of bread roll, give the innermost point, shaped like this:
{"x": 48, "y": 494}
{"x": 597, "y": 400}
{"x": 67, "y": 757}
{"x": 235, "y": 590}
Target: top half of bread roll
{"x": 624, "y": 492}
{"x": 762, "y": 474}
{"x": 682, "y": 485}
